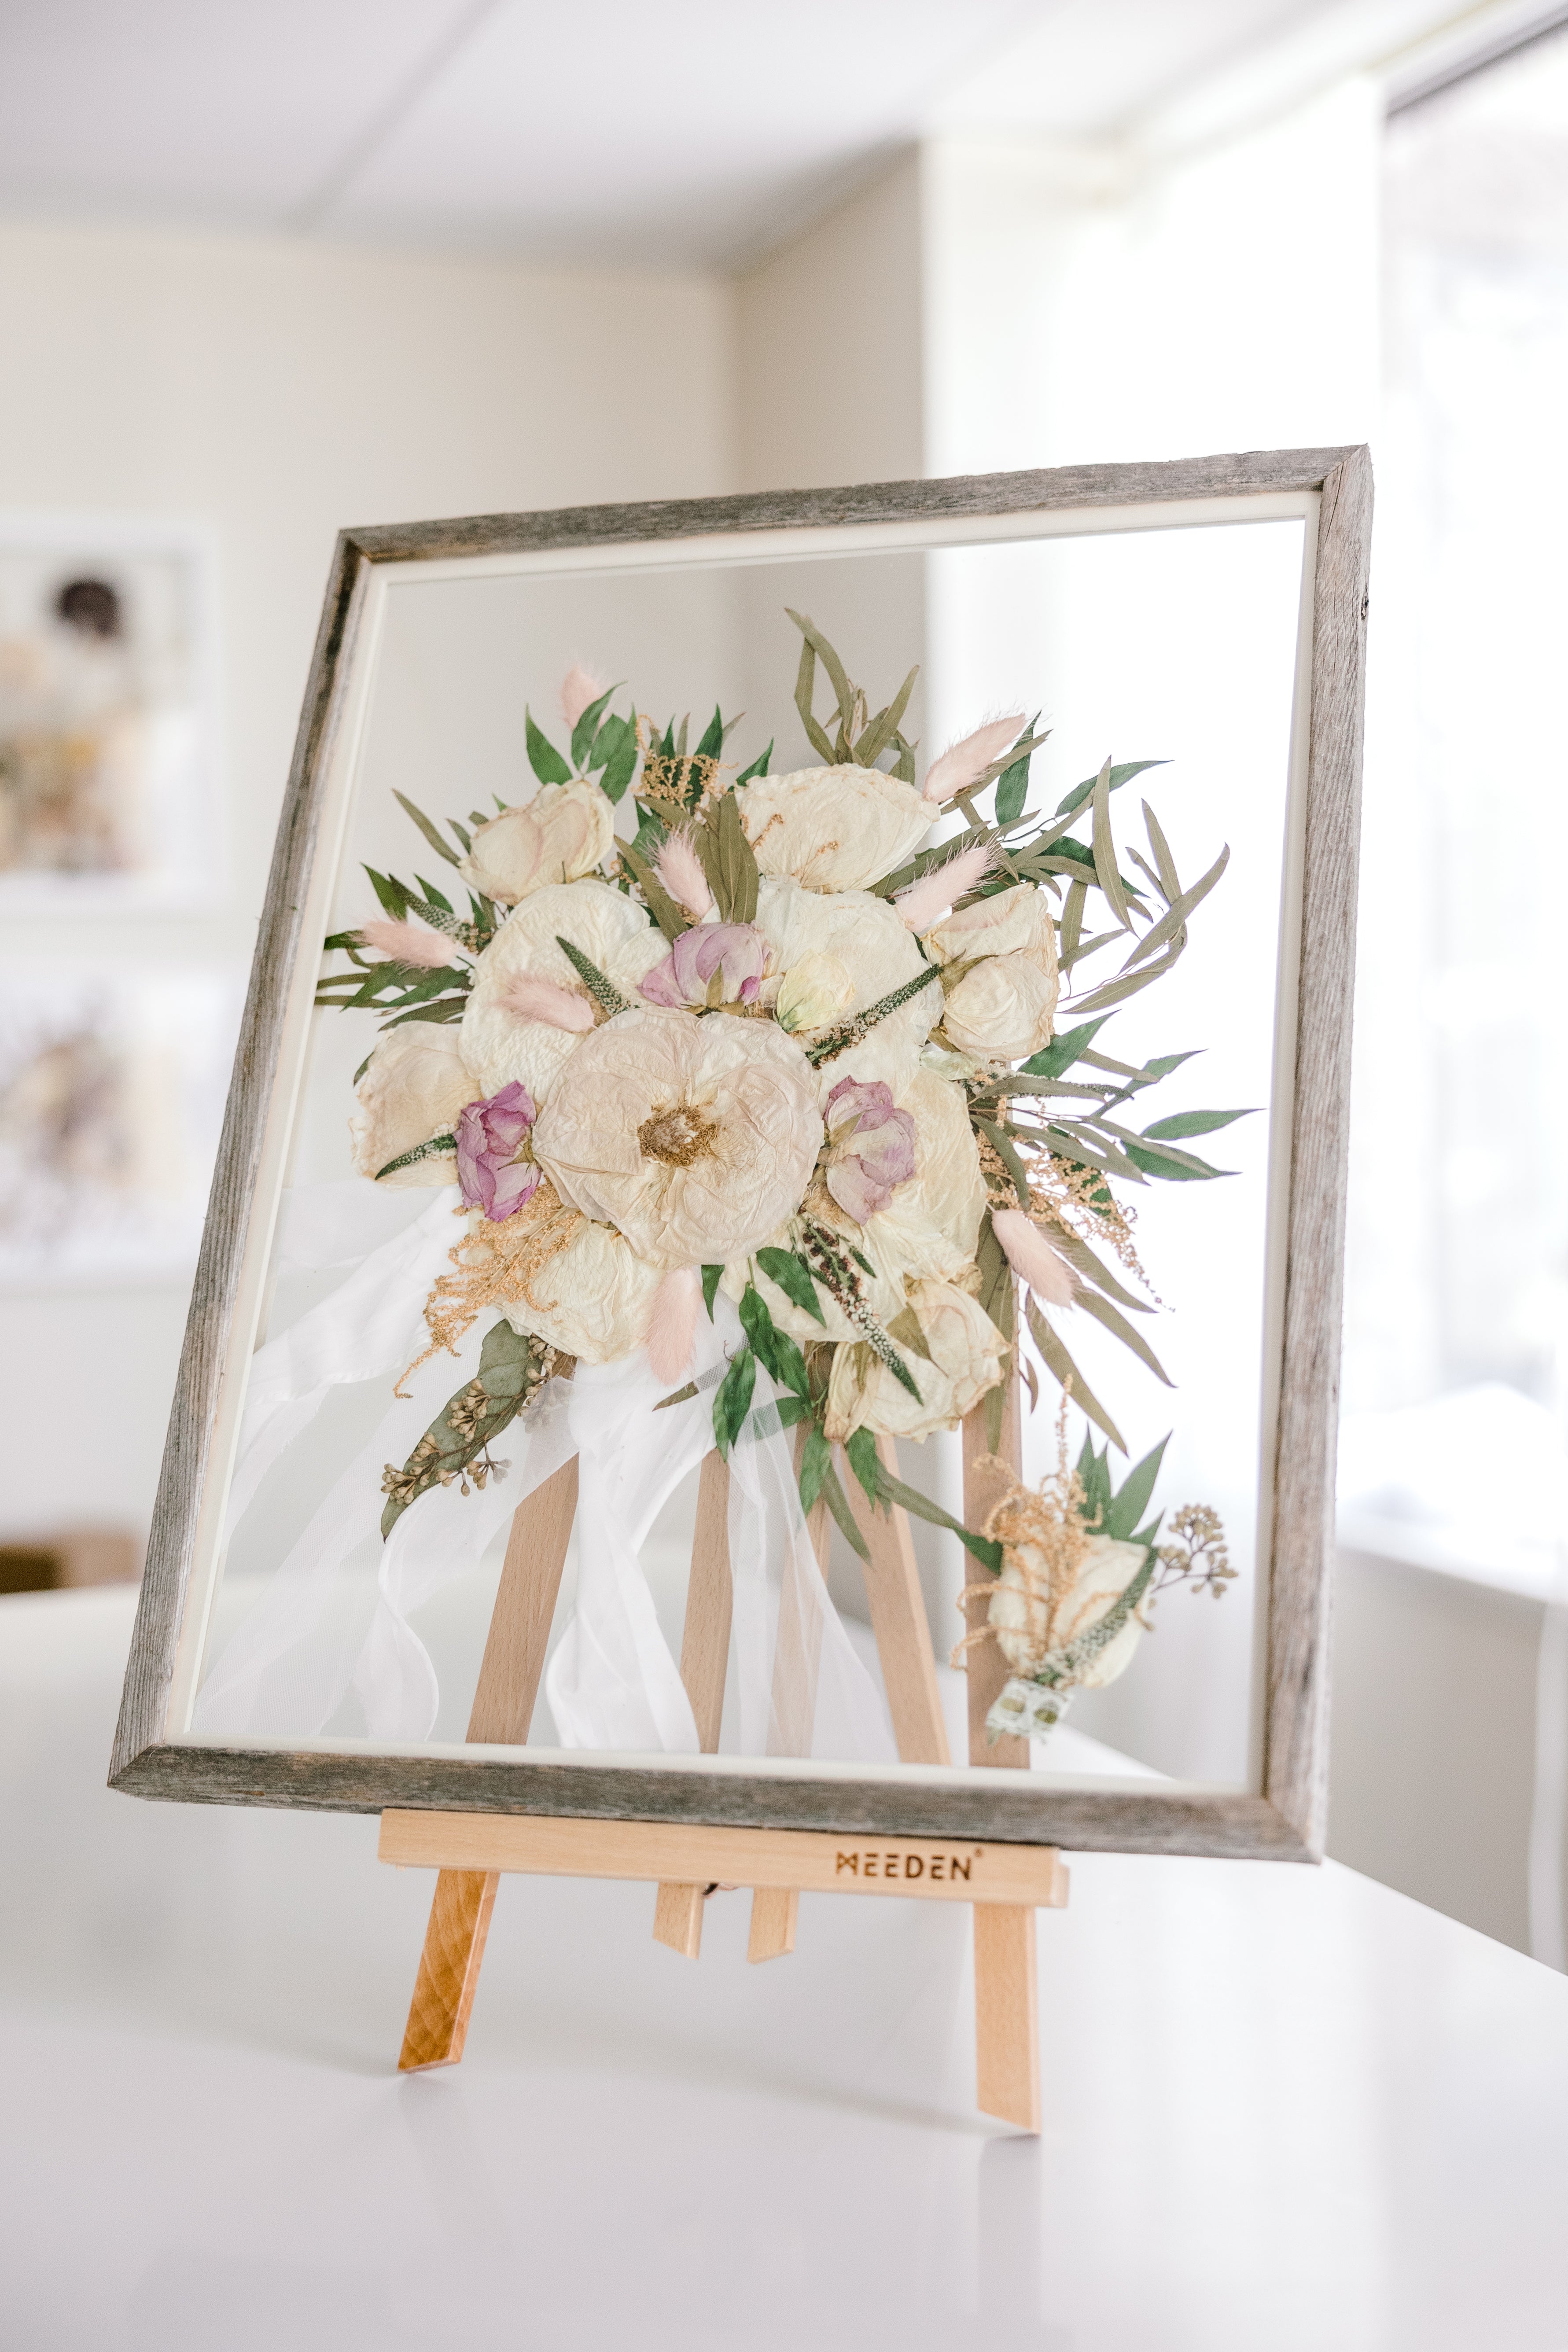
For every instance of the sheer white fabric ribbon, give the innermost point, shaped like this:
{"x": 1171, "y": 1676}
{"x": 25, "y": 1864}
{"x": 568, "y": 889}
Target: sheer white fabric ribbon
{"x": 333, "y": 1617}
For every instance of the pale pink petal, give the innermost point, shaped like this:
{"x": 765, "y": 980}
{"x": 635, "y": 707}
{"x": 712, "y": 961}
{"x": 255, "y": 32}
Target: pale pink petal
{"x": 966, "y": 761}
{"x": 857, "y": 1190}
{"x": 925, "y": 902}
{"x": 672, "y": 1326}
{"x": 533, "y": 999}
{"x": 679, "y": 869}
{"x": 408, "y": 943}
{"x": 579, "y": 688}
{"x": 1033, "y": 1259}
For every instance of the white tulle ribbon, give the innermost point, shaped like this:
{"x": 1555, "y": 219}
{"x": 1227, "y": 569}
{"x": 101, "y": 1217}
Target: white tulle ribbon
{"x": 333, "y": 1617}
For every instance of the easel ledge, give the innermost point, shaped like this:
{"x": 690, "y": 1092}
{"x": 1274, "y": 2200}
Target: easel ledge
{"x": 817, "y": 1862}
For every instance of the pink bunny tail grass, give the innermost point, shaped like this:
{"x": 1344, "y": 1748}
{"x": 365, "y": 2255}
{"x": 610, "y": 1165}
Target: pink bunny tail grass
{"x": 679, "y": 869}
{"x": 408, "y": 943}
{"x": 1033, "y": 1259}
{"x": 533, "y": 999}
{"x": 965, "y": 762}
{"x": 926, "y": 901}
{"x": 579, "y": 688}
{"x": 672, "y": 1326}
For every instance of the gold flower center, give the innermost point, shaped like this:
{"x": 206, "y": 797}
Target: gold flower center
{"x": 678, "y": 1135}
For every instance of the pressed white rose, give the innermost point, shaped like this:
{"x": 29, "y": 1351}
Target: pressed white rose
{"x": 812, "y": 993}
{"x": 499, "y": 1043}
{"x": 696, "y": 1138}
{"x": 1011, "y": 922}
{"x": 833, "y": 828}
{"x": 968, "y": 1356}
{"x": 417, "y": 1082}
{"x": 563, "y": 832}
{"x": 931, "y": 1224}
{"x": 864, "y": 935}
{"x": 1002, "y": 1009}
{"x": 1029, "y": 1624}
{"x": 593, "y": 1299}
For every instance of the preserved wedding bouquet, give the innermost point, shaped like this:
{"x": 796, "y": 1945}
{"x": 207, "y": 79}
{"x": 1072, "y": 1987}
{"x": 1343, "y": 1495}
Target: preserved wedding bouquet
{"x": 776, "y": 1047}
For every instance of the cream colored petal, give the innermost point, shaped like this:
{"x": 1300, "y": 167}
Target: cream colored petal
{"x": 417, "y": 1082}
{"x": 608, "y": 928}
{"x": 747, "y": 1092}
{"x": 968, "y": 1356}
{"x": 595, "y": 1298}
{"x": 838, "y": 828}
{"x": 864, "y": 935}
{"x": 1010, "y": 922}
{"x": 1002, "y": 1009}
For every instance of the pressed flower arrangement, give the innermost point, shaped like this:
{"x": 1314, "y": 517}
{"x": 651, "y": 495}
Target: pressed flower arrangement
{"x": 774, "y": 1047}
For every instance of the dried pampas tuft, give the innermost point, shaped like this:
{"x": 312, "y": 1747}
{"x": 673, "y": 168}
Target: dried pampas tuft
{"x": 672, "y": 1326}
{"x": 533, "y": 999}
{"x": 579, "y": 688}
{"x": 1033, "y": 1259}
{"x": 927, "y": 900}
{"x": 679, "y": 869}
{"x": 408, "y": 943}
{"x": 965, "y": 762}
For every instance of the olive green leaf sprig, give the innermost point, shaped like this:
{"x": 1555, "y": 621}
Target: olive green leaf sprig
{"x": 513, "y": 1370}
{"x": 863, "y": 737}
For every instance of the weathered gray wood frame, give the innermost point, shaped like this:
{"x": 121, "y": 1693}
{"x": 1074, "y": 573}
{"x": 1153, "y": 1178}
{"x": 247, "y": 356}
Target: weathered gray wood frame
{"x": 1286, "y": 1821}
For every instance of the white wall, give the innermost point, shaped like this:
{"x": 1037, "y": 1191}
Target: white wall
{"x": 275, "y": 391}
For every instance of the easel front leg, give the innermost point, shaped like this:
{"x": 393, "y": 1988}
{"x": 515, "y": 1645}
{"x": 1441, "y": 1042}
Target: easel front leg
{"x": 502, "y": 1711}
{"x": 1006, "y": 1991}
{"x": 704, "y": 1657}
{"x": 448, "y": 1969}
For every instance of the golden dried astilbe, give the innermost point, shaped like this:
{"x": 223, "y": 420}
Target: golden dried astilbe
{"x": 496, "y": 1263}
{"x": 669, "y": 776}
{"x": 1064, "y": 1193}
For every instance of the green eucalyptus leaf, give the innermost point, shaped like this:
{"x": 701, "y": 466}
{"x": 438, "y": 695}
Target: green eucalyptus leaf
{"x": 793, "y": 1278}
{"x": 584, "y": 733}
{"x": 543, "y": 756}
{"x": 711, "y": 1275}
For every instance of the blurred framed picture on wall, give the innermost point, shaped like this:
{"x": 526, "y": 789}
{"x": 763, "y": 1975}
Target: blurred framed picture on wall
{"x": 780, "y": 1018}
{"x": 107, "y": 736}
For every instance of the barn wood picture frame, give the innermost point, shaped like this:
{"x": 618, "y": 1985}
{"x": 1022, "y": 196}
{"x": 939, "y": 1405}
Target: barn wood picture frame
{"x": 1331, "y": 489}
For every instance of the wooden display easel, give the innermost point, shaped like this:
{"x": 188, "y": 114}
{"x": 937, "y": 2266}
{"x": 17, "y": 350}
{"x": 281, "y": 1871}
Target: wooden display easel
{"x": 1005, "y": 1884}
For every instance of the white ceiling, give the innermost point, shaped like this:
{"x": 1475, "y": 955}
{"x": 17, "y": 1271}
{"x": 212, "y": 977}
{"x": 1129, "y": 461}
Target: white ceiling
{"x": 655, "y": 131}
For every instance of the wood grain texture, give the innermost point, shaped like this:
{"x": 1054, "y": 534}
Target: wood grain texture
{"x": 1285, "y": 1823}
{"x": 515, "y": 1647}
{"x": 704, "y": 1659}
{"x": 951, "y": 1869}
{"x": 1295, "y": 1705}
{"x": 1239, "y": 474}
{"x": 204, "y": 1352}
{"x": 448, "y": 1969}
{"x": 899, "y": 1622}
{"x": 1006, "y": 1991}
{"x": 776, "y": 1913}
{"x": 1116, "y": 1817}
{"x": 1006, "y": 2015}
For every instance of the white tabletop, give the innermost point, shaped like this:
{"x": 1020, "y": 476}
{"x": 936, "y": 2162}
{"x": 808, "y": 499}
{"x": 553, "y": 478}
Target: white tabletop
{"x": 1285, "y": 2108}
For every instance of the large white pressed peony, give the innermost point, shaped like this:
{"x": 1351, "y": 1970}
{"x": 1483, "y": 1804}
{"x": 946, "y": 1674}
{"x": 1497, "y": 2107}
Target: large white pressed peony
{"x": 564, "y": 831}
{"x": 1029, "y": 1624}
{"x": 499, "y": 1043}
{"x": 417, "y": 1082}
{"x": 594, "y": 1298}
{"x": 931, "y": 1225}
{"x": 695, "y": 1137}
{"x": 968, "y": 1355}
{"x": 833, "y": 828}
{"x": 863, "y": 935}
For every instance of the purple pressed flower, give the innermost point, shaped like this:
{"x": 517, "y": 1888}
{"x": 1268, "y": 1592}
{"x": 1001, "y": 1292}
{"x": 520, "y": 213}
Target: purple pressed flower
{"x": 490, "y": 1135}
{"x": 736, "y": 954}
{"x": 871, "y": 1146}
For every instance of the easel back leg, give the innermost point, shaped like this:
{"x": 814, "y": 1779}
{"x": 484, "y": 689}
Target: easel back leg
{"x": 774, "y": 1910}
